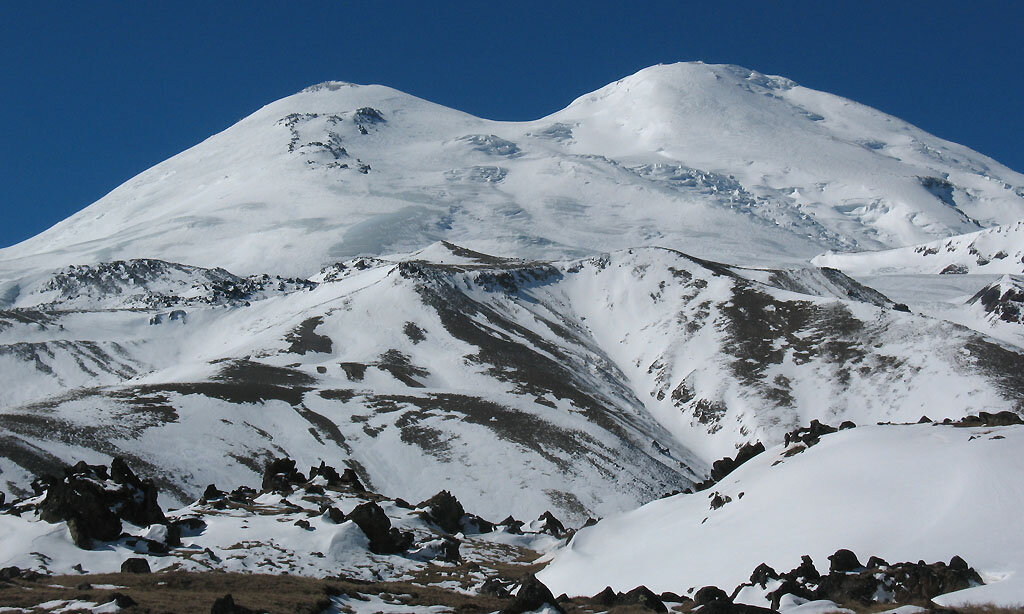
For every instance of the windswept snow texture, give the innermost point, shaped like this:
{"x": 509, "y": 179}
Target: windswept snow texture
{"x": 998, "y": 250}
{"x": 584, "y": 386}
{"x": 715, "y": 160}
{"x": 903, "y": 493}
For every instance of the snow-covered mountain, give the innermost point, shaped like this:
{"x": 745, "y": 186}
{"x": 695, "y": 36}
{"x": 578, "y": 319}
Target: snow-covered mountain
{"x": 579, "y": 313}
{"x": 718, "y": 161}
{"x": 997, "y": 250}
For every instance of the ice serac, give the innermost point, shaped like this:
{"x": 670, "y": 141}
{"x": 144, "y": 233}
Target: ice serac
{"x": 718, "y": 161}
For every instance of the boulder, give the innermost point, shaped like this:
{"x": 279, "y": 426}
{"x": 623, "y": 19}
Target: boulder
{"x": 606, "y": 597}
{"x": 512, "y": 525}
{"x": 551, "y": 525}
{"x": 135, "y": 565}
{"x": 280, "y": 475}
{"x": 763, "y": 574}
{"x": 843, "y": 560}
{"x": 227, "y": 605}
{"x": 445, "y": 511}
{"x": 532, "y": 596}
{"x": 644, "y": 597}
{"x": 708, "y": 594}
{"x": 495, "y": 588}
{"x": 384, "y": 539}
{"x": 83, "y": 508}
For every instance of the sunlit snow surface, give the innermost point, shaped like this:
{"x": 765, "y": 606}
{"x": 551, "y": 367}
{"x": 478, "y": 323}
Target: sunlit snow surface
{"x": 714, "y": 160}
{"x": 904, "y": 493}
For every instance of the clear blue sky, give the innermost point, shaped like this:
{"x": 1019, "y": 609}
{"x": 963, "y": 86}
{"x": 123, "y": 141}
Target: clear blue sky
{"x": 92, "y": 93}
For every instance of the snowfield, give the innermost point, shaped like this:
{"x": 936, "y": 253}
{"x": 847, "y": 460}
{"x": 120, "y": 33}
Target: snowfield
{"x": 579, "y": 314}
{"x": 903, "y": 493}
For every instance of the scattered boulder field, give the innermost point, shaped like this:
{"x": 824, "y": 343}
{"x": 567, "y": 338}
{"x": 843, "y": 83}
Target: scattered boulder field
{"x": 96, "y": 527}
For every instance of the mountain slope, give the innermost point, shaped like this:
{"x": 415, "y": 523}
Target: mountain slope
{"x": 585, "y": 386}
{"x": 903, "y": 493}
{"x": 998, "y": 250}
{"x": 669, "y": 156}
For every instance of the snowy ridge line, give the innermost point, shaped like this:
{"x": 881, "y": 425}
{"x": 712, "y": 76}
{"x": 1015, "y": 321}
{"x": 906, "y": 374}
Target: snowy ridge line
{"x": 797, "y": 503}
{"x": 717, "y": 160}
{"x": 998, "y": 250}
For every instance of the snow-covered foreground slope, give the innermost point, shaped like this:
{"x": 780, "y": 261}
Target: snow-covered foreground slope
{"x": 998, "y": 250}
{"x": 718, "y": 161}
{"x": 903, "y": 493}
{"x": 586, "y": 387}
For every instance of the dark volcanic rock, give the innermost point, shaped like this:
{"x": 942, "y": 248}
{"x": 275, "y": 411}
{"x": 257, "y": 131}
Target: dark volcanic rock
{"x": 725, "y": 466}
{"x": 512, "y": 525}
{"x": 384, "y": 539}
{"x": 135, "y": 565}
{"x": 495, "y": 588}
{"x": 445, "y": 510}
{"x": 642, "y": 596}
{"x": 93, "y": 501}
{"x": 843, "y": 560}
{"x": 551, "y": 525}
{"x": 606, "y": 597}
{"x": 708, "y": 594}
{"x": 227, "y": 605}
{"x": 984, "y": 418}
{"x": 532, "y": 596}
{"x": 763, "y": 574}
{"x": 280, "y": 475}
{"x": 809, "y": 435}
{"x": 88, "y": 517}
{"x": 848, "y": 582}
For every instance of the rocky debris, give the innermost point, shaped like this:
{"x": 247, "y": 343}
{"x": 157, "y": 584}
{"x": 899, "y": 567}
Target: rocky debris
{"x": 512, "y": 525}
{"x": 954, "y": 269}
{"x": 849, "y": 582}
{"x": 122, "y": 601}
{"x": 532, "y": 595}
{"x": 7, "y": 574}
{"x": 495, "y": 587}
{"x": 280, "y": 475}
{"x": 551, "y": 525}
{"x": 842, "y": 561}
{"x": 445, "y": 511}
{"x": 984, "y": 418}
{"x": 211, "y": 493}
{"x": 709, "y": 594}
{"x": 723, "y": 467}
{"x": 717, "y": 500}
{"x": 384, "y": 539}
{"x": 809, "y": 435}
{"x": 368, "y": 115}
{"x": 644, "y": 597}
{"x": 445, "y": 548}
{"x": 135, "y": 565}
{"x": 639, "y": 596}
{"x": 227, "y": 605}
{"x": 334, "y": 479}
{"x": 471, "y": 523}
{"x": 94, "y": 501}
{"x": 1003, "y": 299}
{"x": 714, "y": 600}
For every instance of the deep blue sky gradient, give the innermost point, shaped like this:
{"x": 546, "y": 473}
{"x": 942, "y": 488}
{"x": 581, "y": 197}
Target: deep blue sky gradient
{"x": 92, "y": 93}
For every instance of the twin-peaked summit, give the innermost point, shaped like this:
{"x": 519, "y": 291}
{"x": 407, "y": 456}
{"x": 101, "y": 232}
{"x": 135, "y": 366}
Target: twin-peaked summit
{"x": 719, "y": 161}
